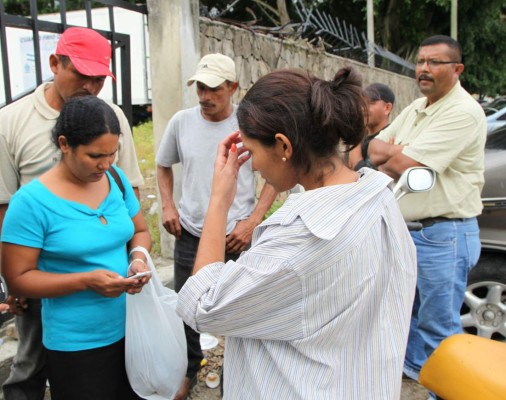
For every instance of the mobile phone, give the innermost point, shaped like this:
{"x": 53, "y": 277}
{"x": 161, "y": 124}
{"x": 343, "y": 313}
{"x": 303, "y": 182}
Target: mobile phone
{"x": 140, "y": 275}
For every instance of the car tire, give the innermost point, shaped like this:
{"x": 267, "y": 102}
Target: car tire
{"x": 484, "y": 310}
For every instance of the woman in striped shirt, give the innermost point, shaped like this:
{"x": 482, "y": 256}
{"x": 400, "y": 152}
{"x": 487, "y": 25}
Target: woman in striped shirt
{"x": 319, "y": 306}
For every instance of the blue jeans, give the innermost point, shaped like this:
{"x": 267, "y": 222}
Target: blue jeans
{"x": 446, "y": 252}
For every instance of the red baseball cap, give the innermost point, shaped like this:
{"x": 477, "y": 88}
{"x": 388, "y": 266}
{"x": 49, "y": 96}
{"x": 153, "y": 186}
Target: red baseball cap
{"x": 88, "y": 50}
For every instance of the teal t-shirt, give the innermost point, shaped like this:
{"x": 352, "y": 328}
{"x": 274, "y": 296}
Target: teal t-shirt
{"x": 72, "y": 238}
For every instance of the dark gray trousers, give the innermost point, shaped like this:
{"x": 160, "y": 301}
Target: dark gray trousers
{"x": 185, "y": 251}
{"x": 27, "y": 380}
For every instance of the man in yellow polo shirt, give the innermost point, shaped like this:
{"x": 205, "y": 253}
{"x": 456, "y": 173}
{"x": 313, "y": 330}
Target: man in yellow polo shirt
{"x": 446, "y": 131}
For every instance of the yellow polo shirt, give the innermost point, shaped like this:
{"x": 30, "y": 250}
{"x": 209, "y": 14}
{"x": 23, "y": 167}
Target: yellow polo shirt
{"x": 448, "y": 136}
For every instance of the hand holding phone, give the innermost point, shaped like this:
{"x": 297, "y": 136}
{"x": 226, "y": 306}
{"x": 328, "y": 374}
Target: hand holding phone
{"x": 140, "y": 275}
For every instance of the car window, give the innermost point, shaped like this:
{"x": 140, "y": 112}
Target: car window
{"x": 497, "y": 139}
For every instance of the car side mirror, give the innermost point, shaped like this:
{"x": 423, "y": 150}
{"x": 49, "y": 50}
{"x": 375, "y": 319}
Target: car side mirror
{"x": 415, "y": 180}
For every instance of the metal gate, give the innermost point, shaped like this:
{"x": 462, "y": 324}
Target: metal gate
{"x": 39, "y": 26}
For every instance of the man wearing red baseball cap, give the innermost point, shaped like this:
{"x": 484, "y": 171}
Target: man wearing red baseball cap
{"x": 80, "y": 66}
{"x": 89, "y": 52}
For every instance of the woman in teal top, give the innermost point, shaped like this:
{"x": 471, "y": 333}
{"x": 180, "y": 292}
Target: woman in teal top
{"x": 65, "y": 239}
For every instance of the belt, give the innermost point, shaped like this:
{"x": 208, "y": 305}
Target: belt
{"x": 427, "y": 222}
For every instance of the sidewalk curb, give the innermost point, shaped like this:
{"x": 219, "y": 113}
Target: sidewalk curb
{"x": 9, "y": 345}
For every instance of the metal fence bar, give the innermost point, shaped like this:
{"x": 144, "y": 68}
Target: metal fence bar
{"x": 140, "y": 8}
{"x": 36, "y": 42}
{"x": 126, "y": 84}
{"x": 5, "y": 59}
{"x": 110, "y": 10}
{"x": 87, "y": 7}
{"x": 344, "y": 39}
{"x": 63, "y": 14}
{"x": 118, "y": 41}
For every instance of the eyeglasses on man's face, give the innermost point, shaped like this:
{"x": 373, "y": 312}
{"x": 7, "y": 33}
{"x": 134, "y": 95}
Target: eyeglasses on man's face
{"x": 434, "y": 63}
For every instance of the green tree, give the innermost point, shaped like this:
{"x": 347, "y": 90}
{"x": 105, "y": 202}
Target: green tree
{"x": 400, "y": 26}
{"x": 482, "y": 33}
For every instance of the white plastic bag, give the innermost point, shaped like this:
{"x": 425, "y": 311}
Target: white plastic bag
{"x": 155, "y": 344}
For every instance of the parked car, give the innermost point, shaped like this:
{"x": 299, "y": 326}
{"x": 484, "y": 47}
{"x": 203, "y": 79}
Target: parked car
{"x": 494, "y": 106}
{"x": 484, "y": 310}
{"x": 496, "y": 120}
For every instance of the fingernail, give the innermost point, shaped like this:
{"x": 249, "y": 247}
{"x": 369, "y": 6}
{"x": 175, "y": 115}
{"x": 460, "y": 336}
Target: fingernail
{"x": 233, "y": 148}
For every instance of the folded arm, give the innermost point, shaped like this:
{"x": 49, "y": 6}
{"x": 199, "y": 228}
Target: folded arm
{"x": 388, "y": 158}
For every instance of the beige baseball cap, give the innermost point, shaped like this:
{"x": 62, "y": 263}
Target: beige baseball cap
{"x": 213, "y": 70}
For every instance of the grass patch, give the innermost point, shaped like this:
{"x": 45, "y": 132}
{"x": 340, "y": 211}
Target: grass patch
{"x": 277, "y": 204}
{"x": 144, "y": 147}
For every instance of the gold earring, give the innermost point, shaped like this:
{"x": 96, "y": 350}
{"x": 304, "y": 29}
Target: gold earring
{"x": 283, "y": 159}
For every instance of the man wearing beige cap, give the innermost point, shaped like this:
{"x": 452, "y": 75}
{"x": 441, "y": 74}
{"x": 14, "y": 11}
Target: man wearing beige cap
{"x": 80, "y": 66}
{"x": 192, "y": 138}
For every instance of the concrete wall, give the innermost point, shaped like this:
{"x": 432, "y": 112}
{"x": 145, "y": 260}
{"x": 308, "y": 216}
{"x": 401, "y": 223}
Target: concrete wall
{"x": 174, "y": 54}
{"x": 256, "y": 54}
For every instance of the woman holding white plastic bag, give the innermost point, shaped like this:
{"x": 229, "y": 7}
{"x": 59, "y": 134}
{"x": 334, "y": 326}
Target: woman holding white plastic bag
{"x": 155, "y": 348}
{"x": 319, "y": 306}
{"x": 65, "y": 239}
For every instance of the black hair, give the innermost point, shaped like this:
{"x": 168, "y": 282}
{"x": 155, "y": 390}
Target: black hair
{"x": 450, "y": 42}
{"x": 65, "y": 60}
{"x": 83, "y": 119}
{"x": 315, "y": 115}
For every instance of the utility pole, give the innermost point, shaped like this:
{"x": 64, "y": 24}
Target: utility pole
{"x": 370, "y": 33}
{"x": 454, "y": 19}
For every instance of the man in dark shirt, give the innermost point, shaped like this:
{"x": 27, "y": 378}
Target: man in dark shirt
{"x": 380, "y": 100}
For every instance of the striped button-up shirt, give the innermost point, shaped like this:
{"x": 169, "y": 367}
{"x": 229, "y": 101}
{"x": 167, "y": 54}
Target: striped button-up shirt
{"x": 319, "y": 307}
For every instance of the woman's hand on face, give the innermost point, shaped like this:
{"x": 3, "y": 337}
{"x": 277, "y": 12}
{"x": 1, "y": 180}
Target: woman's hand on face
{"x": 226, "y": 168}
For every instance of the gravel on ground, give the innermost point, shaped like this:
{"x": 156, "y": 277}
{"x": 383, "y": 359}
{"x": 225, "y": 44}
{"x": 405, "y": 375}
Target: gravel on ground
{"x": 411, "y": 390}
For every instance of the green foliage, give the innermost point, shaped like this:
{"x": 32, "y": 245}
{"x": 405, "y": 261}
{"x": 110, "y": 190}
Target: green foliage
{"x": 144, "y": 147}
{"x": 274, "y": 207}
{"x": 400, "y": 26}
{"x": 143, "y": 138}
{"x": 483, "y": 41}
{"x": 22, "y": 7}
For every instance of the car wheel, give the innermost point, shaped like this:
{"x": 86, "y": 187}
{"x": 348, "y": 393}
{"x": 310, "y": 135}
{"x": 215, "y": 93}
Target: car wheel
{"x": 484, "y": 309}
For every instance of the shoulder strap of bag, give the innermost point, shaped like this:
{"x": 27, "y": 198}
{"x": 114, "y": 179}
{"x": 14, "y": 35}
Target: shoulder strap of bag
{"x": 117, "y": 179}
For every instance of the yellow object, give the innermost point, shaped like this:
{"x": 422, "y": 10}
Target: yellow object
{"x": 203, "y": 362}
{"x": 467, "y": 367}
